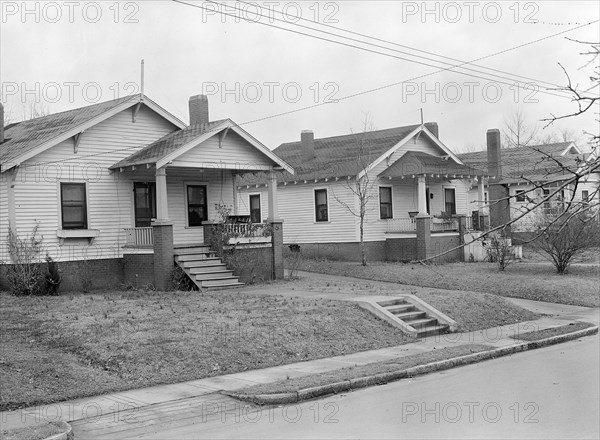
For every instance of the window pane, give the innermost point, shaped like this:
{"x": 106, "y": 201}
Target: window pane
{"x": 196, "y": 195}
{"x": 254, "y": 202}
{"x": 196, "y": 215}
{"x": 73, "y": 206}
{"x": 321, "y": 197}
{"x": 385, "y": 195}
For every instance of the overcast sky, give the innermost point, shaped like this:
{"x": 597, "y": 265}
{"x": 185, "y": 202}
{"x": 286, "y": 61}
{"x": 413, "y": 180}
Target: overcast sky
{"x": 70, "y": 54}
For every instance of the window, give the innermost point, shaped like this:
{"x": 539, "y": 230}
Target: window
{"x": 197, "y": 207}
{"x": 385, "y": 202}
{"x": 144, "y": 203}
{"x": 255, "y": 209}
{"x": 450, "y": 201}
{"x": 321, "y": 212}
{"x": 585, "y": 198}
{"x": 73, "y": 206}
{"x": 520, "y": 195}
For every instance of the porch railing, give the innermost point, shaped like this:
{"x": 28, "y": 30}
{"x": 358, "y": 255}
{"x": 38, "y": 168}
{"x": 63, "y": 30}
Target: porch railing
{"x": 445, "y": 225}
{"x": 247, "y": 230}
{"x": 401, "y": 225}
{"x": 139, "y": 237}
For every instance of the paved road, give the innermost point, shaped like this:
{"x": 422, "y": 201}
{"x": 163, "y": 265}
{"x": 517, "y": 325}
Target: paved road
{"x": 549, "y": 393}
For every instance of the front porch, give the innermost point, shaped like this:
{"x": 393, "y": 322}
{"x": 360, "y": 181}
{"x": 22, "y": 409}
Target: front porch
{"x": 183, "y": 191}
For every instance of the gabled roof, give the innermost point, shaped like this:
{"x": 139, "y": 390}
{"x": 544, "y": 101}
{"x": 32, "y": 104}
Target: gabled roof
{"x": 531, "y": 163}
{"x": 341, "y": 156}
{"x": 26, "y": 139}
{"x": 415, "y": 162}
{"x": 167, "y": 144}
{"x": 173, "y": 145}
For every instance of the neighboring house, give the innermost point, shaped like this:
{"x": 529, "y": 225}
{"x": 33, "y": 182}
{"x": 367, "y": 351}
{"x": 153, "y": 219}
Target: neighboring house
{"x": 125, "y": 186}
{"x": 527, "y": 175}
{"x": 412, "y": 175}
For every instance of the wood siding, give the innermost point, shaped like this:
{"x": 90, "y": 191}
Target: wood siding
{"x": 109, "y": 194}
{"x": 234, "y": 152}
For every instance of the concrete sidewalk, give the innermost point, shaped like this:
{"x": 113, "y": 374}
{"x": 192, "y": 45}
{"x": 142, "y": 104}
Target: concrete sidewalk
{"x": 129, "y": 413}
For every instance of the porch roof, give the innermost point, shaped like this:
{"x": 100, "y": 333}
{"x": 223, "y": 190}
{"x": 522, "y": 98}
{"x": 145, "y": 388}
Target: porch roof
{"x": 171, "y": 146}
{"x": 414, "y": 163}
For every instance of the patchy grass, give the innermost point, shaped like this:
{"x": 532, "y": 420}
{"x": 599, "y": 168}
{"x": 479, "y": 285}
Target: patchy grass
{"x": 38, "y": 432}
{"x": 402, "y": 363}
{"x": 60, "y": 348}
{"x": 520, "y": 280}
{"x": 555, "y": 331}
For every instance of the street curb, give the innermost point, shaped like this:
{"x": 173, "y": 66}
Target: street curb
{"x": 383, "y": 378}
{"x": 67, "y": 435}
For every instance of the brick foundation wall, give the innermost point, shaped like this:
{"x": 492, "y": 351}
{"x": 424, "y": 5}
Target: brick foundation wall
{"x": 401, "y": 249}
{"x": 251, "y": 263}
{"x": 444, "y": 243}
{"x": 138, "y": 269}
{"x": 341, "y": 251}
{"x": 103, "y": 274}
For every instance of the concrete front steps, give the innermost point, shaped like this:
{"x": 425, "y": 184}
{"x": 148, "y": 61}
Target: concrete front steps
{"x": 409, "y": 313}
{"x": 204, "y": 268}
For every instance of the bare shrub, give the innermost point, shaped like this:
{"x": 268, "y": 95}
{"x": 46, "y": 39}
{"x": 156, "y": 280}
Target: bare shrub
{"x": 499, "y": 251}
{"x": 560, "y": 239}
{"x": 25, "y": 275}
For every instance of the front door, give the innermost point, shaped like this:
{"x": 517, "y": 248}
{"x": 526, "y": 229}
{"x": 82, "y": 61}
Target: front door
{"x": 144, "y": 200}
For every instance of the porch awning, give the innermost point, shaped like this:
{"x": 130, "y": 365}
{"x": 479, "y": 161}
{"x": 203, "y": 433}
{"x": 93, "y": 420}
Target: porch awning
{"x": 415, "y": 163}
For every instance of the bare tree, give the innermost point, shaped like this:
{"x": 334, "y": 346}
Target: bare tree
{"x": 518, "y": 132}
{"x": 361, "y": 185}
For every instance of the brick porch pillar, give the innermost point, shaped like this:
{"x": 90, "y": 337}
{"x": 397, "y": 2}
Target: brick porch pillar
{"x": 162, "y": 234}
{"x": 277, "y": 250}
{"x": 423, "y": 236}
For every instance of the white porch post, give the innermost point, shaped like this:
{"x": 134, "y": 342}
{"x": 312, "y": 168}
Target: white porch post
{"x": 480, "y": 195}
{"x": 421, "y": 195}
{"x": 273, "y": 203}
{"x": 162, "y": 207}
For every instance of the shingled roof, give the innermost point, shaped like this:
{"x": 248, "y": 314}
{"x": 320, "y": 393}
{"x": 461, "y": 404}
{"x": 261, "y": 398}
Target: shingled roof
{"x": 531, "y": 163}
{"x": 334, "y": 156}
{"x": 23, "y": 138}
{"x": 167, "y": 144}
{"x": 415, "y": 162}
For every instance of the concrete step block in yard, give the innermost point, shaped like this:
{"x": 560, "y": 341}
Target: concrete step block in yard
{"x": 410, "y": 314}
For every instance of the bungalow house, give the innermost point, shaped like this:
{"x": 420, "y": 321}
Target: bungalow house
{"x": 415, "y": 189}
{"x": 123, "y": 190}
{"x": 527, "y": 175}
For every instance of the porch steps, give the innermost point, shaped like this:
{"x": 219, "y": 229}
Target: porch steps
{"x": 204, "y": 268}
{"x": 409, "y": 313}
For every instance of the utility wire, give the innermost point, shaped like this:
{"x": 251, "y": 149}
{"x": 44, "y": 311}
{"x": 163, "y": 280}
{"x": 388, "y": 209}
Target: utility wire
{"x": 451, "y": 68}
{"x": 461, "y": 62}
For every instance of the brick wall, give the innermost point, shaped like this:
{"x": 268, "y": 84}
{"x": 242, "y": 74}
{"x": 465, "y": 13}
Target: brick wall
{"x": 251, "y": 263}
{"x": 138, "y": 269}
{"x": 342, "y": 251}
{"x": 443, "y": 243}
{"x": 401, "y": 249}
{"x": 102, "y": 274}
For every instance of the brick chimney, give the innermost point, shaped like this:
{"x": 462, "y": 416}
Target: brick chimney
{"x": 198, "y": 109}
{"x": 1, "y": 123}
{"x": 307, "y": 144}
{"x": 499, "y": 200}
{"x": 493, "y": 153}
{"x": 433, "y": 127}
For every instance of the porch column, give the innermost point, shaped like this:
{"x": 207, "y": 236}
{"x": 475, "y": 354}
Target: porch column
{"x": 422, "y": 195}
{"x": 162, "y": 235}
{"x": 162, "y": 208}
{"x": 480, "y": 195}
{"x": 277, "y": 225}
{"x": 273, "y": 203}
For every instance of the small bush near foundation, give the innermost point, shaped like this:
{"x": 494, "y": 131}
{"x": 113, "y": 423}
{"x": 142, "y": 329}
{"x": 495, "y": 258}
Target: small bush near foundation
{"x": 499, "y": 251}
{"x": 24, "y": 275}
{"x": 181, "y": 281}
{"x": 53, "y": 277}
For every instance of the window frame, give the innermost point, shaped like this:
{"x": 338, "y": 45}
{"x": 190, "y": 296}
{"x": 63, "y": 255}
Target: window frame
{"x": 520, "y": 196}
{"x": 187, "y": 205}
{"x": 391, "y": 203}
{"x": 85, "y": 206}
{"x": 315, "y": 206}
{"x": 444, "y": 189}
{"x": 585, "y": 199}
{"x": 259, "y": 207}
